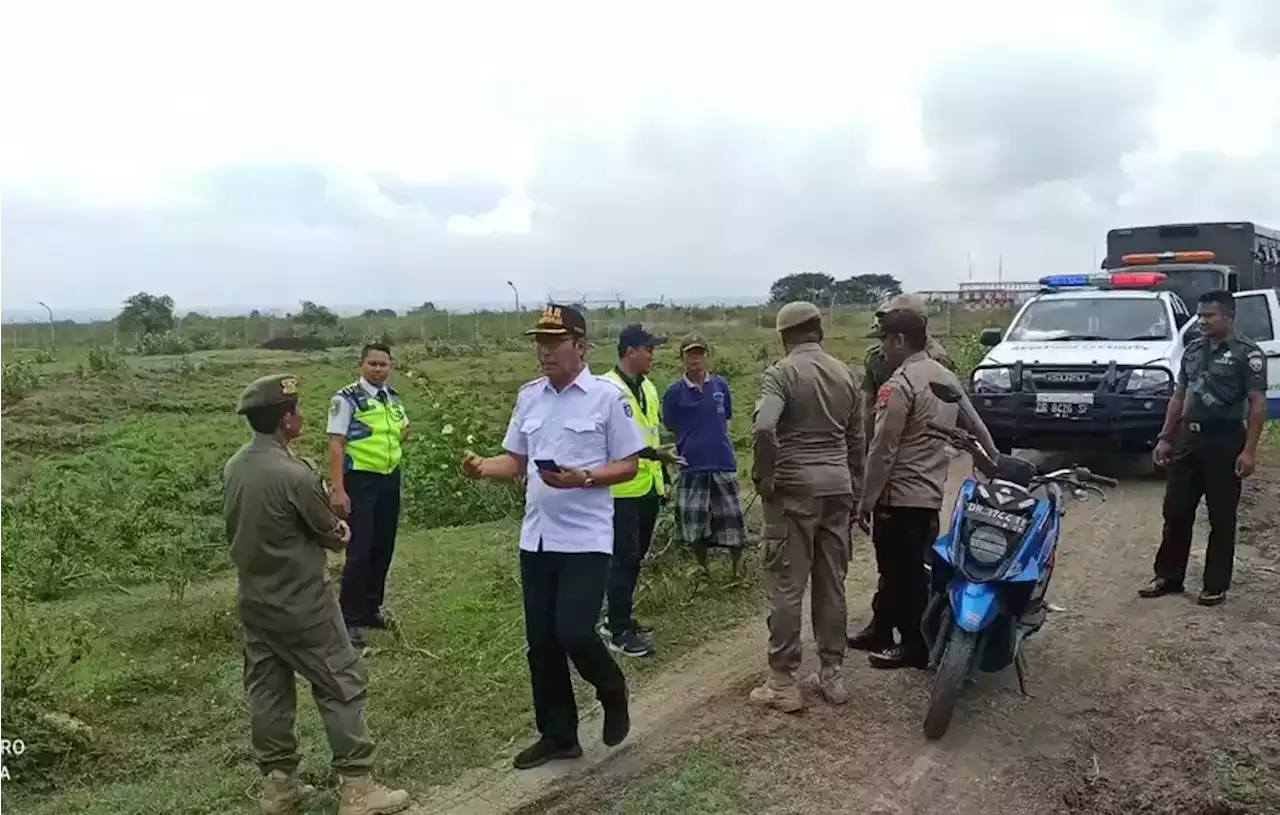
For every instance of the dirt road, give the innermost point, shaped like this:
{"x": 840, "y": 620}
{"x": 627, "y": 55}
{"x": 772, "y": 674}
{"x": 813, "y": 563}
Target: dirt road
{"x": 1140, "y": 706}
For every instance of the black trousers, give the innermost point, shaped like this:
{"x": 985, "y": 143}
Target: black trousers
{"x": 1202, "y": 465}
{"x": 374, "y": 517}
{"x": 633, "y": 522}
{"x": 901, "y": 536}
{"x": 562, "y": 594}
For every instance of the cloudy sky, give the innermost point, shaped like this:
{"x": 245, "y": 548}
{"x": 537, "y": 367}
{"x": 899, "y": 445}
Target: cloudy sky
{"x": 260, "y": 153}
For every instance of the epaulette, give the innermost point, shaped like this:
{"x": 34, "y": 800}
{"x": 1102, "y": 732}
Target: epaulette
{"x": 542, "y": 380}
{"x": 351, "y": 390}
{"x": 617, "y": 386}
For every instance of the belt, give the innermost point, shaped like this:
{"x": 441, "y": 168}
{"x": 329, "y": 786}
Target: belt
{"x": 1216, "y": 426}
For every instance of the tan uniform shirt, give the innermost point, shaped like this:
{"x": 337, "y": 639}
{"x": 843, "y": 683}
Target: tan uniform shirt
{"x": 907, "y": 467}
{"x": 279, "y": 524}
{"x": 807, "y": 425}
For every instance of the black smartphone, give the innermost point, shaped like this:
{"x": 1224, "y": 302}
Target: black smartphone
{"x": 546, "y": 464}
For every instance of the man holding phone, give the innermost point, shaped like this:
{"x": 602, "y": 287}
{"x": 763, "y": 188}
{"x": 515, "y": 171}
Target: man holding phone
{"x": 573, "y": 435}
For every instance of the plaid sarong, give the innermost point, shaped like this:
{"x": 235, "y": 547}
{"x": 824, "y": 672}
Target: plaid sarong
{"x": 709, "y": 509}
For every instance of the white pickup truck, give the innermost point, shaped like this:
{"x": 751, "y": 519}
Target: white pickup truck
{"x": 1090, "y": 362}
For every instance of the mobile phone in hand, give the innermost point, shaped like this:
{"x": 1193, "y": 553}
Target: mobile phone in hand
{"x": 547, "y": 464}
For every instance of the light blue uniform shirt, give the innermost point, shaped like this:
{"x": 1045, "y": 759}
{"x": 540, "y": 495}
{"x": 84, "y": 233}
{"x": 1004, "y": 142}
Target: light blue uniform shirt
{"x": 586, "y": 425}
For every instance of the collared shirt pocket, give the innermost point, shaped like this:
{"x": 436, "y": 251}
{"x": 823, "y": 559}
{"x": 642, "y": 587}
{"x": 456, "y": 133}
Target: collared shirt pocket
{"x": 584, "y": 442}
{"x": 531, "y": 429}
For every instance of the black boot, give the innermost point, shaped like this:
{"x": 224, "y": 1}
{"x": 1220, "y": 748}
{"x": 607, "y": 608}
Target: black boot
{"x": 899, "y": 657}
{"x": 1159, "y": 587}
{"x": 871, "y": 638}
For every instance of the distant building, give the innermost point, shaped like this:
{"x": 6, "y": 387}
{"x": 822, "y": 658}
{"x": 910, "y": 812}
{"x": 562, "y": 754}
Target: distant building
{"x": 996, "y": 295}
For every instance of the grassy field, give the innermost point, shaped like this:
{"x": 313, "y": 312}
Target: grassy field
{"x": 120, "y": 645}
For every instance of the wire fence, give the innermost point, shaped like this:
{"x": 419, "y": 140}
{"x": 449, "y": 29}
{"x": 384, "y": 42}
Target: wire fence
{"x": 604, "y": 322}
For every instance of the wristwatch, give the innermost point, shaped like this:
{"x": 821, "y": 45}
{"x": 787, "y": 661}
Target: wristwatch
{"x": 589, "y": 480}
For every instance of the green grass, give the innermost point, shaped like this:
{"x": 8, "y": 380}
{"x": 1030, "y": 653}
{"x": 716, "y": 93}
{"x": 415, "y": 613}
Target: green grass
{"x": 1247, "y": 780}
{"x": 158, "y": 684}
{"x": 698, "y": 782}
{"x": 119, "y": 615}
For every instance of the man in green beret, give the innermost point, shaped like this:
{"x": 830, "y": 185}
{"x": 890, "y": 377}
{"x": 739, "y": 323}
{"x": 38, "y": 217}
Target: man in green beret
{"x": 279, "y": 525}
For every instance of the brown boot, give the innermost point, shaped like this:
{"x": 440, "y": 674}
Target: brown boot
{"x": 361, "y": 795}
{"x": 281, "y": 793}
{"x": 831, "y": 682}
{"x": 780, "y": 692}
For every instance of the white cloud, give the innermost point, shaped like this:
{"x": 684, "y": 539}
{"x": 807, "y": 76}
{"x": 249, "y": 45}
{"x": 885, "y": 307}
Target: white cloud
{"x": 234, "y": 151}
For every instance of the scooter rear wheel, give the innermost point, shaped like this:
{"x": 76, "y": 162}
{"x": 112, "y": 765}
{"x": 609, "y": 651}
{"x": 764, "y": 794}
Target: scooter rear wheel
{"x": 957, "y": 660}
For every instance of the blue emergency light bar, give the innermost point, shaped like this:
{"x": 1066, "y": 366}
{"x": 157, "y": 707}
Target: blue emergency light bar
{"x": 1104, "y": 280}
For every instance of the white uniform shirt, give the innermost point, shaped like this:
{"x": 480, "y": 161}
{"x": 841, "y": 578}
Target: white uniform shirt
{"x": 340, "y": 410}
{"x": 586, "y": 425}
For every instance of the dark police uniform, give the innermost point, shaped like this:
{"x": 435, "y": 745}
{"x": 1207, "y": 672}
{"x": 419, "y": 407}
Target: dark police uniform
{"x": 1218, "y": 379}
{"x": 279, "y": 524}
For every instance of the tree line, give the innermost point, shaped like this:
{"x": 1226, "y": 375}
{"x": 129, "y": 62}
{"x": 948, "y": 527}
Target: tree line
{"x": 824, "y": 290}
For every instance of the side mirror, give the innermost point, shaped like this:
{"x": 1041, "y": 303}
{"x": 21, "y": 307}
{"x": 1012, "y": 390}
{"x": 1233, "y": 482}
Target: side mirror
{"x": 945, "y": 392}
{"x": 990, "y": 337}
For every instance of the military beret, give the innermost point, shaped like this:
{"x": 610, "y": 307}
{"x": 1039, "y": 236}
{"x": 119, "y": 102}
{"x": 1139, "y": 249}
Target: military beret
{"x": 268, "y": 390}
{"x": 797, "y": 313}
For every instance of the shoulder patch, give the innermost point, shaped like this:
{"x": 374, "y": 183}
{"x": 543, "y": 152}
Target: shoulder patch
{"x": 1256, "y": 363}
{"x": 882, "y": 396}
{"x": 626, "y": 408}
{"x": 335, "y": 405}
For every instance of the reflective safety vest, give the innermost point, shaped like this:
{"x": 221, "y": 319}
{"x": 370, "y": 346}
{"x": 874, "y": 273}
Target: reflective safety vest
{"x": 373, "y": 435}
{"x": 649, "y": 472}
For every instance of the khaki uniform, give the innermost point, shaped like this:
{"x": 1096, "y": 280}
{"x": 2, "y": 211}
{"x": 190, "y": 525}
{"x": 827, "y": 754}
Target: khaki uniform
{"x": 808, "y": 463}
{"x": 1218, "y": 380}
{"x": 876, "y": 371}
{"x": 279, "y": 524}
{"x": 906, "y": 478}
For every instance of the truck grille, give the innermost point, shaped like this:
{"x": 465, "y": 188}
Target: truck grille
{"x": 1059, "y": 380}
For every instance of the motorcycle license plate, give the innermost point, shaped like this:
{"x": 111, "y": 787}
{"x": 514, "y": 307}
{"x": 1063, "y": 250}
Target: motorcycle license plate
{"x": 1004, "y": 520}
{"x": 1064, "y": 405}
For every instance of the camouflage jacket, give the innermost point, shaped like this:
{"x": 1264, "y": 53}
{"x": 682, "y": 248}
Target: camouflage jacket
{"x": 876, "y": 369}
{"x": 1219, "y": 378}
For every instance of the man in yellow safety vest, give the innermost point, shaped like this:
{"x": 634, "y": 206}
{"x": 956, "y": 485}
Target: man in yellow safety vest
{"x": 367, "y": 424}
{"x": 636, "y": 502}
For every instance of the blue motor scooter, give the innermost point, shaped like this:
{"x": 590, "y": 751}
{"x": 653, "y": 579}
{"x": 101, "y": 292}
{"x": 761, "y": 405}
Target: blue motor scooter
{"x": 991, "y": 568}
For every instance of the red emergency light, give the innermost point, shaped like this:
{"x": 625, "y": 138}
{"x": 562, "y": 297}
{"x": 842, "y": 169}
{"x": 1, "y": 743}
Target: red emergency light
{"x": 1137, "y": 279}
{"x": 1173, "y": 257}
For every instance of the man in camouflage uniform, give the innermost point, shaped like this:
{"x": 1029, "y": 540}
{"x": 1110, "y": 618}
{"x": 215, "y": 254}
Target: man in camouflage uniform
{"x": 1209, "y": 443}
{"x": 807, "y": 470}
{"x": 279, "y": 524}
{"x": 878, "y": 634}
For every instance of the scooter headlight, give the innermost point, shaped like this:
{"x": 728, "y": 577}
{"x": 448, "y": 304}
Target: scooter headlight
{"x": 987, "y": 545}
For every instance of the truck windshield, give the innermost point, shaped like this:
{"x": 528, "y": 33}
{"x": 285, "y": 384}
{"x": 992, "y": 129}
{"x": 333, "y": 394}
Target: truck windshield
{"x": 1092, "y": 318}
{"x": 1189, "y": 284}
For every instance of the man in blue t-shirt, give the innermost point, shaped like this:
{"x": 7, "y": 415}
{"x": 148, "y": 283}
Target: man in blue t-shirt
{"x": 697, "y": 408}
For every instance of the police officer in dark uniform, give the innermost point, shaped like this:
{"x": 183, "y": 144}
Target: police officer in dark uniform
{"x": 1209, "y": 443}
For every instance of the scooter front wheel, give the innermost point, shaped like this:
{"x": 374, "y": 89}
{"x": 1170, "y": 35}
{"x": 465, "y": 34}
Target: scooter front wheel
{"x": 953, "y": 670}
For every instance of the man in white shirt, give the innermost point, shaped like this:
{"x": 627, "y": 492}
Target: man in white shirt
{"x": 573, "y": 435}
